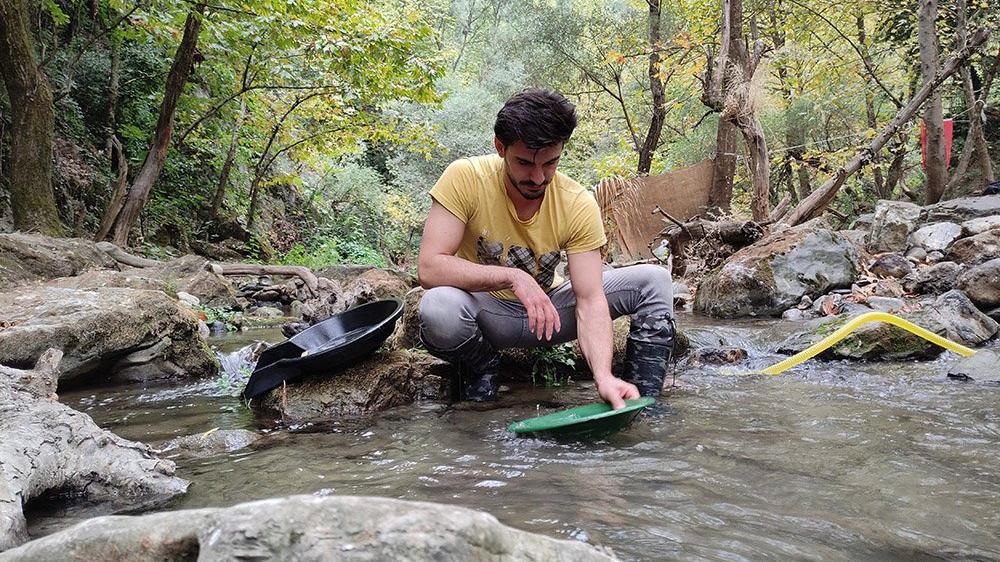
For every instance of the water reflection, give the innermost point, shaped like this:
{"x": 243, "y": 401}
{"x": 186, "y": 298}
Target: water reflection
{"x": 837, "y": 461}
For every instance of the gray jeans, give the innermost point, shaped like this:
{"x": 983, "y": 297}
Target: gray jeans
{"x": 450, "y": 317}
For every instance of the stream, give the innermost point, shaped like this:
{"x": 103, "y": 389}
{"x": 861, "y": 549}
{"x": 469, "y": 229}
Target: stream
{"x": 832, "y": 460}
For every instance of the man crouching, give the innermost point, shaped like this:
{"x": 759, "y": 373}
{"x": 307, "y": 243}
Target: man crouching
{"x": 493, "y": 239}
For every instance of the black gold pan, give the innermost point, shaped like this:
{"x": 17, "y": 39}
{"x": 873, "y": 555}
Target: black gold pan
{"x": 335, "y": 343}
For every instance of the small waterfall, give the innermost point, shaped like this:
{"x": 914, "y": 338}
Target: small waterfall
{"x": 236, "y": 366}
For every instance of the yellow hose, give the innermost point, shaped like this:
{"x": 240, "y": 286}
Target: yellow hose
{"x": 852, "y": 325}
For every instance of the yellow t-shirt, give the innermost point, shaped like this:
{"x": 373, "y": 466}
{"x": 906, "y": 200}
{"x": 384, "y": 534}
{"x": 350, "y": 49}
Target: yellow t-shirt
{"x": 569, "y": 219}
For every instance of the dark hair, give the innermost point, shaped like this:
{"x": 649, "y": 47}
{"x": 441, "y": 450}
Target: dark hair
{"x": 537, "y": 117}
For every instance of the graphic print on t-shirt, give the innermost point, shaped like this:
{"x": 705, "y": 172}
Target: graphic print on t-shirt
{"x": 543, "y": 269}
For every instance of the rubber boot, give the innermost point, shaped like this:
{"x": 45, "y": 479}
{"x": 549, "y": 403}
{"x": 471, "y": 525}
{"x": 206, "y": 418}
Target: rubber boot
{"x": 646, "y": 365}
{"x": 478, "y": 368}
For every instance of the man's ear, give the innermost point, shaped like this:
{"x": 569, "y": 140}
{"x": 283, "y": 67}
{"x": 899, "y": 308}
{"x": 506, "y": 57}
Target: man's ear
{"x": 499, "y": 146}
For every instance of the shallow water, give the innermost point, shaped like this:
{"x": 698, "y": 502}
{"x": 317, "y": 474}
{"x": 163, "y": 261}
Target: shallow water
{"x": 833, "y": 461}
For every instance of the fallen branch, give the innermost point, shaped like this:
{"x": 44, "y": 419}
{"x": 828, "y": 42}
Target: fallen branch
{"x": 303, "y": 273}
{"x": 121, "y": 256}
{"x": 813, "y": 206}
{"x": 307, "y": 276}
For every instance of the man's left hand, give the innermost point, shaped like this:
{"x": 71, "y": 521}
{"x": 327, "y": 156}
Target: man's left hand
{"x": 615, "y": 391}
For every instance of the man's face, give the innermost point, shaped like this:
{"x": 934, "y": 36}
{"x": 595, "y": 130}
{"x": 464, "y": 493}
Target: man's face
{"x": 529, "y": 170}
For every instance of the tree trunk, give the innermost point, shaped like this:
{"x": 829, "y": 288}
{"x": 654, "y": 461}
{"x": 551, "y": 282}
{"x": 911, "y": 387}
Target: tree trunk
{"x": 937, "y": 174}
{"x": 817, "y": 202}
{"x": 227, "y": 166}
{"x": 760, "y": 166}
{"x": 741, "y": 109}
{"x": 656, "y": 86}
{"x": 32, "y": 124}
{"x": 975, "y": 105}
{"x": 880, "y": 190}
{"x": 717, "y": 84}
{"x": 116, "y": 153}
{"x": 724, "y": 167}
{"x": 127, "y": 213}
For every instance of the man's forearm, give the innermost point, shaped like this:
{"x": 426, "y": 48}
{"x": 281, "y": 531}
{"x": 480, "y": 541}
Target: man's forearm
{"x": 593, "y": 325}
{"x": 454, "y": 271}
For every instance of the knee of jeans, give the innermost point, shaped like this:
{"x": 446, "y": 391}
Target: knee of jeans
{"x": 653, "y": 278}
{"x": 441, "y": 317}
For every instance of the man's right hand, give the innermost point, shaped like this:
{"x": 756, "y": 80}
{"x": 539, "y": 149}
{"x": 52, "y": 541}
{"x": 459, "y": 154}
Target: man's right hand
{"x": 543, "y": 319}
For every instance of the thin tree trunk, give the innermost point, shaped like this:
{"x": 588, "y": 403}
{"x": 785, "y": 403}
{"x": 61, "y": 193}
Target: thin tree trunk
{"x": 126, "y": 215}
{"x": 32, "y": 199}
{"x": 227, "y": 166}
{"x": 717, "y": 80}
{"x": 656, "y": 86}
{"x": 817, "y": 202}
{"x": 935, "y": 168}
{"x": 895, "y": 173}
{"x": 975, "y": 105}
{"x": 760, "y": 167}
{"x": 724, "y": 167}
{"x": 741, "y": 109}
{"x": 254, "y": 196}
{"x": 870, "y": 108}
{"x": 116, "y": 153}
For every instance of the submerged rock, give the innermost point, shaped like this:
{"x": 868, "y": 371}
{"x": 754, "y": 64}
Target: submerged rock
{"x": 769, "y": 277}
{"x": 346, "y": 528}
{"x": 143, "y": 334}
{"x": 717, "y": 356}
{"x": 952, "y": 315}
{"x": 382, "y": 381}
{"x": 212, "y": 442}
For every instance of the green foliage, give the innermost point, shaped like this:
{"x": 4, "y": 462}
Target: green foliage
{"x": 219, "y": 314}
{"x": 553, "y": 365}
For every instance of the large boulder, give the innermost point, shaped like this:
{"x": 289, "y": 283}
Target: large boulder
{"x": 128, "y": 333}
{"x": 937, "y": 236}
{"x": 892, "y": 264}
{"x": 51, "y": 453}
{"x": 382, "y": 381}
{"x": 982, "y": 284}
{"x": 32, "y": 257}
{"x": 981, "y": 367}
{"x": 934, "y": 279}
{"x": 978, "y": 226}
{"x": 771, "y": 276}
{"x": 952, "y": 315}
{"x": 307, "y": 528}
{"x": 892, "y": 225}
{"x": 976, "y": 249}
{"x": 374, "y": 284}
{"x": 962, "y": 209}
{"x": 209, "y": 288}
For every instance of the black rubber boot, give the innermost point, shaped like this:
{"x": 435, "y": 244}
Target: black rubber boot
{"x": 646, "y": 365}
{"x": 478, "y": 368}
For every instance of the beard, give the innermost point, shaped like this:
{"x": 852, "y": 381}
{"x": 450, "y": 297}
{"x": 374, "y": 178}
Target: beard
{"x": 527, "y": 189}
